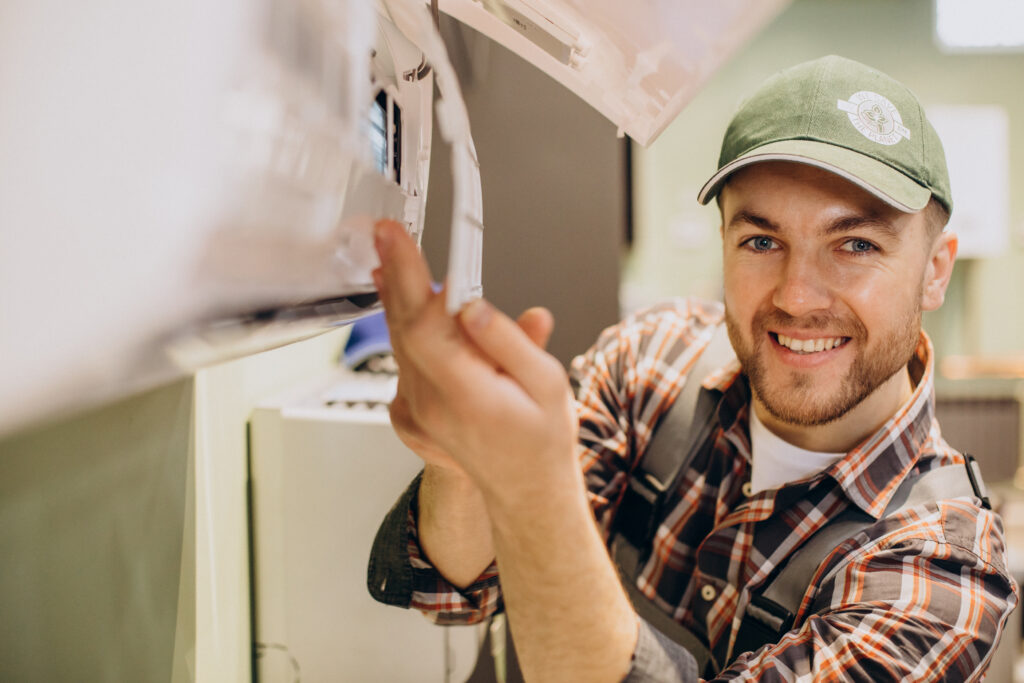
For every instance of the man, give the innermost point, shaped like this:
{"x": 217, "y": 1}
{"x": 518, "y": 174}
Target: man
{"x": 833, "y": 193}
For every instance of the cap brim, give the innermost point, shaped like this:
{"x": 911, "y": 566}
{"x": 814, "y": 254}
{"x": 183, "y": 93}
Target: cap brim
{"x": 881, "y": 180}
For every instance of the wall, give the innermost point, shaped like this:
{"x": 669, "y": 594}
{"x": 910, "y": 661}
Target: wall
{"x": 96, "y": 573}
{"x": 553, "y": 176}
{"x": 895, "y": 37}
{"x": 124, "y": 533}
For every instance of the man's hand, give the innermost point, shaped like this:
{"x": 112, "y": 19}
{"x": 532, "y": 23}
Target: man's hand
{"x": 476, "y": 392}
{"x": 479, "y": 397}
{"x": 536, "y": 323}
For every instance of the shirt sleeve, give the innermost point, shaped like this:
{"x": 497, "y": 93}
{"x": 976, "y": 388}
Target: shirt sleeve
{"x": 657, "y": 659}
{"x": 399, "y": 573}
{"x": 442, "y": 602}
{"x": 909, "y": 609}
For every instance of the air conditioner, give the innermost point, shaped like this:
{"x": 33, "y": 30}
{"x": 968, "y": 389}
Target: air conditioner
{"x": 185, "y": 182}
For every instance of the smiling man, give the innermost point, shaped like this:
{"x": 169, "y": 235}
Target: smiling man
{"x": 821, "y": 453}
{"x": 824, "y": 295}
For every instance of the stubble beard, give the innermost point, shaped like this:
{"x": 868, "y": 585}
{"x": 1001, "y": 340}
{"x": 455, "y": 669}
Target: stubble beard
{"x": 796, "y": 400}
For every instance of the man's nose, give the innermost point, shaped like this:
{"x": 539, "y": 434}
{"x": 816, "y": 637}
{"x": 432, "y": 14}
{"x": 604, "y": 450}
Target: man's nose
{"x": 802, "y": 287}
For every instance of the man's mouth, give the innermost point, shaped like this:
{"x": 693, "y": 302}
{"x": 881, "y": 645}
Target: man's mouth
{"x": 806, "y": 346}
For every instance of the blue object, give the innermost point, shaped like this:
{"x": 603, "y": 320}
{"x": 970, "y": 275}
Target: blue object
{"x": 369, "y": 337}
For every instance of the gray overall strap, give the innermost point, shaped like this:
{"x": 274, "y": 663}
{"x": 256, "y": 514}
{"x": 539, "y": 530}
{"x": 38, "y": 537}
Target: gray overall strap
{"x": 674, "y": 433}
{"x": 678, "y": 437}
{"x": 772, "y": 609}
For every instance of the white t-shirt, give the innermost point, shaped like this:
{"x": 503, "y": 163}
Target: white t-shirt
{"x": 777, "y": 462}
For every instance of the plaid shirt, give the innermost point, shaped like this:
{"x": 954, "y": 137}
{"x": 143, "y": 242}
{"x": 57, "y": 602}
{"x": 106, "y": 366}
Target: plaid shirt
{"x": 923, "y": 593}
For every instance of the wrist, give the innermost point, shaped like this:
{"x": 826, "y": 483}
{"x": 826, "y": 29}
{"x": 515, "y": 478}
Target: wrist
{"x": 545, "y": 504}
{"x": 447, "y": 475}
{"x": 452, "y": 485}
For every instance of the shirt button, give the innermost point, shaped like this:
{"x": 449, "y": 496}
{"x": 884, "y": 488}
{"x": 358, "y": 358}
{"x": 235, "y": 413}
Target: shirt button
{"x": 748, "y": 489}
{"x": 708, "y": 592}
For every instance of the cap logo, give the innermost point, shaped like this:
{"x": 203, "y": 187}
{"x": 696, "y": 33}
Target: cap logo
{"x": 875, "y": 117}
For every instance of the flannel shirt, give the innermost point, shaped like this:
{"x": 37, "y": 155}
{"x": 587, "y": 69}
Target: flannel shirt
{"x": 923, "y": 594}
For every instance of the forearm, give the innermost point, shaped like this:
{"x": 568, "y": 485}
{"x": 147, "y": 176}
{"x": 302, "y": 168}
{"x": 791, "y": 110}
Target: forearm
{"x": 453, "y": 527}
{"x": 570, "y": 618}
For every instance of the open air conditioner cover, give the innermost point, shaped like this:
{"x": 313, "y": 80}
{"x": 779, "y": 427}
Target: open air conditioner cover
{"x": 638, "y": 63}
{"x": 186, "y": 181}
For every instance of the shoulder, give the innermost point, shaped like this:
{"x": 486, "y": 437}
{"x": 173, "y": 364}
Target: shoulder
{"x": 955, "y": 524}
{"x": 943, "y": 536}
{"x": 639, "y": 365}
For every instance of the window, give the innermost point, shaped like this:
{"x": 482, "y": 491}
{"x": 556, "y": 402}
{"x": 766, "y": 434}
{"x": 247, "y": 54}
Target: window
{"x": 982, "y": 25}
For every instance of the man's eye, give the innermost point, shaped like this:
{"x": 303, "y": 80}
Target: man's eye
{"x": 858, "y": 246}
{"x": 761, "y": 243}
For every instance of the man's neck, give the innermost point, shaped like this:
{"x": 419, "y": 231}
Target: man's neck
{"x": 842, "y": 435}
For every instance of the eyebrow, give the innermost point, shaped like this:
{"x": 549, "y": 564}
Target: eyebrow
{"x": 840, "y": 225}
{"x": 856, "y": 222}
{"x": 751, "y": 218}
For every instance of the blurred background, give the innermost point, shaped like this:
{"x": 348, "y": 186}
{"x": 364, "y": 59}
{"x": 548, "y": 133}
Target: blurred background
{"x": 130, "y": 532}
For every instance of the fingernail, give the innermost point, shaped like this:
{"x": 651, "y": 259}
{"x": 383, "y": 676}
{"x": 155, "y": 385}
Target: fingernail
{"x": 476, "y": 314}
{"x": 382, "y": 238}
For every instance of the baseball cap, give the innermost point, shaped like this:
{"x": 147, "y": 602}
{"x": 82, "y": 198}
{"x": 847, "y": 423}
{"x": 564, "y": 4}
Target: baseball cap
{"x": 844, "y": 117}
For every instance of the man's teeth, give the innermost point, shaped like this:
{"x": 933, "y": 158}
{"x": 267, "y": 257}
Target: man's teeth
{"x": 810, "y": 345}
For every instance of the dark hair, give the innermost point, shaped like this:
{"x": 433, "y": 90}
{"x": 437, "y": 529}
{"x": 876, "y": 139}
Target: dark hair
{"x": 935, "y": 217}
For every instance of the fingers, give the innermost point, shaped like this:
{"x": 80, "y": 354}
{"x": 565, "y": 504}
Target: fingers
{"x": 404, "y": 279}
{"x": 427, "y": 343}
{"x": 538, "y": 324}
{"x": 514, "y": 350}
{"x": 460, "y": 364}
{"x": 416, "y": 318}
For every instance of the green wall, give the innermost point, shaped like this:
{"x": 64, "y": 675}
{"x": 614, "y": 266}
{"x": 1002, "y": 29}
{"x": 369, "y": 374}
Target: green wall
{"x": 982, "y": 314}
{"x": 95, "y": 563}
{"x": 124, "y": 529}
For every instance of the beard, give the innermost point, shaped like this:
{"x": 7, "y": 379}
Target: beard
{"x": 796, "y": 399}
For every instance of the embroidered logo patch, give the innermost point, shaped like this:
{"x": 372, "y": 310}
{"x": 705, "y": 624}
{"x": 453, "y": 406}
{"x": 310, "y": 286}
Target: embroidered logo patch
{"x": 875, "y": 117}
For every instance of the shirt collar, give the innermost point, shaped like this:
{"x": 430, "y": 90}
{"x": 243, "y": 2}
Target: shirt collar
{"x": 871, "y": 472}
{"x": 723, "y": 377}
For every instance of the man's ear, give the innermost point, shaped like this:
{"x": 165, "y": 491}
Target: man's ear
{"x": 938, "y": 270}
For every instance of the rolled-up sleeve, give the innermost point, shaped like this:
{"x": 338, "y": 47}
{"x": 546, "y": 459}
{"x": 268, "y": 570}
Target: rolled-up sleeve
{"x": 399, "y": 574}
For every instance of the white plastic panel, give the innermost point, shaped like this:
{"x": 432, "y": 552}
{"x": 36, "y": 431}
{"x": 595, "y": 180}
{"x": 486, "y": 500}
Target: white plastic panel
{"x": 636, "y": 63}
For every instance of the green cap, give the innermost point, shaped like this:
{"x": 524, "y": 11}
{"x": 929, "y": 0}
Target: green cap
{"x": 844, "y": 117}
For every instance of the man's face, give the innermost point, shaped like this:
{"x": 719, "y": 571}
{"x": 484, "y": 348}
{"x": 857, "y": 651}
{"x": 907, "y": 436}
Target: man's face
{"x": 824, "y": 289}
